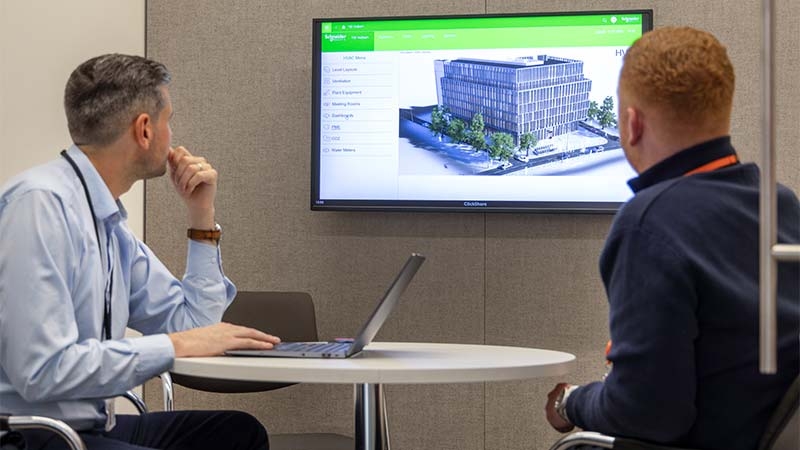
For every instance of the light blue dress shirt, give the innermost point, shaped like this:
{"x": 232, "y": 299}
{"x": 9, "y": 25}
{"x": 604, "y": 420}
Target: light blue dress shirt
{"x": 53, "y": 361}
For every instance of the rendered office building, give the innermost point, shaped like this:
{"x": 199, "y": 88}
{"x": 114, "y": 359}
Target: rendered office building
{"x": 545, "y": 95}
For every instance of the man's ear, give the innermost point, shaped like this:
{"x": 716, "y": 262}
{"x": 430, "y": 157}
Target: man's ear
{"x": 143, "y": 130}
{"x": 635, "y": 125}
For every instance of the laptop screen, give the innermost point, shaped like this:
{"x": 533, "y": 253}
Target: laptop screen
{"x": 387, "y": 304}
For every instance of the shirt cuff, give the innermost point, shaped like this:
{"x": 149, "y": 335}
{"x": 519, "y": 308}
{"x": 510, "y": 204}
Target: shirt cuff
{"x": 155, "y": 355}
{"x": 203, "y": 259}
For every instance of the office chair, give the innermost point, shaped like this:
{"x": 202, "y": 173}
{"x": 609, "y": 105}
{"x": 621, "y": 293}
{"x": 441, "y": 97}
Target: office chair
{"x": 141, "y": 407}
{"x": 9, "y": 424}
{"x": 291, "y": 316}
{"x": 12, "y": 441}
{"x": 782, "y": 432}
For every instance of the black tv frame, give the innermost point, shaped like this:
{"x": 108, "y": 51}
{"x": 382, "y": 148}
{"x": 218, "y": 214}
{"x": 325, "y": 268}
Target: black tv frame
{"x": 465, "y": 205}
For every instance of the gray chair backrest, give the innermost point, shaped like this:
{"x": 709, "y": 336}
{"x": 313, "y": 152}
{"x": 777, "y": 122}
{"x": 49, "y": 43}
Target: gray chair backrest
{"x": 288, "y": 315}
{"x": 783, "y": 429}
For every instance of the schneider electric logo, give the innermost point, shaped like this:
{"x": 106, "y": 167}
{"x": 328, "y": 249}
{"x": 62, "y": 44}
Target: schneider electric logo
{"x": 336, "y": 37}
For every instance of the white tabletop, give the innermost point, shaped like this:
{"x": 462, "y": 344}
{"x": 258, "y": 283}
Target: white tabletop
{"x": 391, "y": 362}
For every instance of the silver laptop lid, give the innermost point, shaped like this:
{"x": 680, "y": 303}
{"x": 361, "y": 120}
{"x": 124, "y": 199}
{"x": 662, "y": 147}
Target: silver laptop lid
{"x": 387, "y": 303}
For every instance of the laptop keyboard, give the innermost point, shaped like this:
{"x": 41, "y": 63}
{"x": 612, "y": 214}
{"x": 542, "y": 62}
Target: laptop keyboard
{"x": 313, "y": 347}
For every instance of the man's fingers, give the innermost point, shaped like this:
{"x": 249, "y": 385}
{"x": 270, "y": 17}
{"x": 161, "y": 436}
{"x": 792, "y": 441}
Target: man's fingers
{"x": 252, "y": 333}
{"x": 249, "y": 344}
{"x": 553, "y": 393}
{"x": 179, "y": 152}
{"x": 192, "y": 172}
{"x": 181, "y": 161}
{"x": 204, "y": 175}
{"x": 188, "y": 167}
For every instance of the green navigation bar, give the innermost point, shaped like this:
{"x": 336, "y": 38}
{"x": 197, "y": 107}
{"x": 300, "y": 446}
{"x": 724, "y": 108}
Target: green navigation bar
{"x": 480, "y": 38}
{"x": 483, "y": 22}
{"x": 589, "y": 30}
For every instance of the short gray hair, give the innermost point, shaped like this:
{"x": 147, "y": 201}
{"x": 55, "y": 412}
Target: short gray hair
{"x": 105, "y": 93}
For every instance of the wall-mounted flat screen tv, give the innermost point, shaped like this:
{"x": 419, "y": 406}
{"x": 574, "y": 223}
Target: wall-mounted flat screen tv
{"x": 470, "y": 113}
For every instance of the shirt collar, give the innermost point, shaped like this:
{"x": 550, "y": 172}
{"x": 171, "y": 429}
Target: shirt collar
{"x": 678, "y": 164}
{"x": 103, "y": 202}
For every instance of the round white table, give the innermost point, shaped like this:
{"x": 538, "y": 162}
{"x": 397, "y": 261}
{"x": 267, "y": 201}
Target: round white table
{"x": 388, "y": 363}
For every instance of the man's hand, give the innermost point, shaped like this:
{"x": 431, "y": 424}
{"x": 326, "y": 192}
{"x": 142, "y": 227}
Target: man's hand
{"x": 215, "y": 339}
{"x": 555, "y": 419}
{"x": 195, "y": 180}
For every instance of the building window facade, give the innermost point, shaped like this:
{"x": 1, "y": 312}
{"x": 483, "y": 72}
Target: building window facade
{"x": 545, "y": 96}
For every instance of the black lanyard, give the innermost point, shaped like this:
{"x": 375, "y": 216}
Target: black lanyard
{"x": 107, "y": 307}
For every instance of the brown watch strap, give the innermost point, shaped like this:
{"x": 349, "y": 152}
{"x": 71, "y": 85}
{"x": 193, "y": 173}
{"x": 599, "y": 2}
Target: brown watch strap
{"x": 204, "y": 235}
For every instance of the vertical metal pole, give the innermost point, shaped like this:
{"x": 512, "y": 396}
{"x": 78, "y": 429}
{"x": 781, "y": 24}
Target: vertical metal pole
{"x": 366, "y": 407}
{"x": 768, "y": 202}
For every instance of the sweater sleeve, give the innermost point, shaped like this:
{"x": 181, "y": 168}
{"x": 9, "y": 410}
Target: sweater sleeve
{"x": 649, "y": 393}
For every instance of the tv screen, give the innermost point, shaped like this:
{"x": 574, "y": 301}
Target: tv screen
{"x": 470, "y": 113}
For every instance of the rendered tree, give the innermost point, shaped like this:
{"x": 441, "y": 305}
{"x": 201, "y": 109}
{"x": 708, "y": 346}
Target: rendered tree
{"x": 502, "y": 146}
{"x": 607, "y": 116}
{"x": 457, "y": 130}
{"x": 438, "y": 121}
{"x": 594, "y": 111}
{"x": 475, "y": 136}
{"x": 526, "y": 142}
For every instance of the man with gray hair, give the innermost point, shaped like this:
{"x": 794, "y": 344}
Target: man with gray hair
{"x": 73, "y": 276}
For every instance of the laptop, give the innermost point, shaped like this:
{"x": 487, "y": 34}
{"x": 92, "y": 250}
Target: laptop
{"x": 348, "y": 347}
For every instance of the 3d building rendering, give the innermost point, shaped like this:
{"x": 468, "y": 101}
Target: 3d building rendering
{"x": 545, "y": 95}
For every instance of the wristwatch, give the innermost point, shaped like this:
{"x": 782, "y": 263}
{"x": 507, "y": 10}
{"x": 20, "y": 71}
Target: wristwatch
{"x": 205, "y": 235}
{"x": 560, "y": 404}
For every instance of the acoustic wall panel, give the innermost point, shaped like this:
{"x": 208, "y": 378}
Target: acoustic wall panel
{"x": 242, "y": 78}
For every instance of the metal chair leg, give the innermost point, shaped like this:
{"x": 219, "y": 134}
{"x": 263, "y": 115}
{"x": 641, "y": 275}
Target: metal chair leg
{"x": 166, "y": 387}
{"x": 384, "y": 419}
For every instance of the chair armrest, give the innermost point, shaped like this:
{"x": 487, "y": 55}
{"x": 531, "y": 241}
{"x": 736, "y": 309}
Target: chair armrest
{"x": 583, "y": 438}
{"x": 136, "y": 400}
{"x": 72, "y": 438}
{"x": 166, "y": 385}
{"x": 633, "y": 444}
{"x": 166, "y": 388}
{"x": 604, "y": 441}
{"x": 36, "y": 422}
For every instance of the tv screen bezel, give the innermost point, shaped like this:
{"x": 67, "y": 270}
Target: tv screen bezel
{"x": 465, "y": 205}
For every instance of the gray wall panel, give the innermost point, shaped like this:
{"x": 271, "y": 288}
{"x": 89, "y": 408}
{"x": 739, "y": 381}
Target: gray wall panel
{"x": 241, "y": 89}
{"x": 547, "y": 295}
{"x": 787, "y": 60}
{"x": 241, "y": 93}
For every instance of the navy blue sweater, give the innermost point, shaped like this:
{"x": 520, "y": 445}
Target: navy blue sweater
{"x": 680, "y": 267}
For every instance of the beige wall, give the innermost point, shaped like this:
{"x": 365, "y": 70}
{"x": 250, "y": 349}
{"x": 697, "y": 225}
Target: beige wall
{"x": 41, "y": 42}
{"x": 241, "y": 89}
